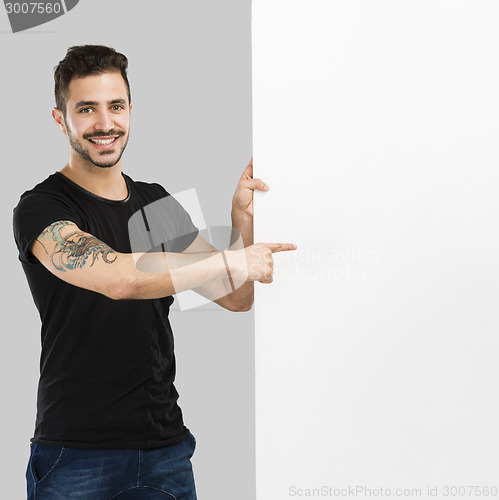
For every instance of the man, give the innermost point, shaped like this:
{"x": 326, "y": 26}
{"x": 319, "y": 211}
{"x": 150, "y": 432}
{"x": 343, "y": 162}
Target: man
{"x": 108, "y": 424}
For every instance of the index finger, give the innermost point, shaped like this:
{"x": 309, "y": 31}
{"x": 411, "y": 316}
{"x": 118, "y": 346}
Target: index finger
{"x": 281, "y": 247}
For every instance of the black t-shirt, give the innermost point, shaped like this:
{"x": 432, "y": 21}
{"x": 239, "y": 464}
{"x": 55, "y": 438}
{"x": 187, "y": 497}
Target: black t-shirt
{"x": 107, "y": 366}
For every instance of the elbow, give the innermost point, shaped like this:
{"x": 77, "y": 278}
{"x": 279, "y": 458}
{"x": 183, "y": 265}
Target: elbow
{"x": 121, "y": 289}
{"x": 244, "y": 307}
{"x": 245, "y": 303}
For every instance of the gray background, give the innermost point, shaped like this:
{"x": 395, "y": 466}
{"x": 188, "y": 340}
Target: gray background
{"x": 190, "y": 76}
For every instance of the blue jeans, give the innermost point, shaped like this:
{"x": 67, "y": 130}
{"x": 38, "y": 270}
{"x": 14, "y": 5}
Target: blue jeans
{"x": 60, "y": 473}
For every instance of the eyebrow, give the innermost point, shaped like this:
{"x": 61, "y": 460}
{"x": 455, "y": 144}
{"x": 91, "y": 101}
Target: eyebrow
{"x": 95, "y": 103}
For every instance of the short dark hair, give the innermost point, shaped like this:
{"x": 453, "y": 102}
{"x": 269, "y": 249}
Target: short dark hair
{"x": 85, "y": 60}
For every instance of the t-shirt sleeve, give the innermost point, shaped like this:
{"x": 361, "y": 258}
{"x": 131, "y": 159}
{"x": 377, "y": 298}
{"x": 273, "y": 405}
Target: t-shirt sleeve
{"x": 186, "y": 230}
{"x": 33, "y": 213}
{"x": 163, "y": 225}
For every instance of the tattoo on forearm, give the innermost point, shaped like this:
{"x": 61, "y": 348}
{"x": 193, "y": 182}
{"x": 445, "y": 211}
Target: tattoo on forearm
{"x": 73, "y": 251}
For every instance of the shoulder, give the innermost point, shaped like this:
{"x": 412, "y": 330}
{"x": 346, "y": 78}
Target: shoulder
{"x": 49, "y": 184}
{"x": 49, "y": 198}
{"x": 49, "y": 188}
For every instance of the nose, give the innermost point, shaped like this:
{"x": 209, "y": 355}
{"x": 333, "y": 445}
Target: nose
{"x": 104, "y": 120}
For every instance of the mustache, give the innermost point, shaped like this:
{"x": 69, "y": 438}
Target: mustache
{"x": 119, "y": 133}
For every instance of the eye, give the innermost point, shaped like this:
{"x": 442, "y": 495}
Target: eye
{"x": 85, "y": 110}
{"x": 117, "y": 107}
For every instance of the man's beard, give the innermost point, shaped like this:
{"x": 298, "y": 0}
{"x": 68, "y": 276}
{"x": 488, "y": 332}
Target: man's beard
{"x": 83, "y": 153}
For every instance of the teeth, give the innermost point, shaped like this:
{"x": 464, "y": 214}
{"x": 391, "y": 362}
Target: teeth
{"x": 103, "y": 141}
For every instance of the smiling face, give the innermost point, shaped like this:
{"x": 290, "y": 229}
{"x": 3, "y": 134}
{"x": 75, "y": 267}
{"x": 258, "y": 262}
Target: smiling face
{"x": 97, "y": 118}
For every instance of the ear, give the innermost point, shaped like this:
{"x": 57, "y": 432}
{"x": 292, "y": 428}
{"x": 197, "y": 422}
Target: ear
{"x": 131, "y": 104}
{"x": 59, "y": 119}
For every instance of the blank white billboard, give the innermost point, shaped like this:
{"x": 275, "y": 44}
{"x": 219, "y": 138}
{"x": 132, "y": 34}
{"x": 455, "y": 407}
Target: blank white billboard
{"x": 376, "y": 126}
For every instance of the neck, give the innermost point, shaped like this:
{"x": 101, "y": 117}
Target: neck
{"x": 105, "y": 182}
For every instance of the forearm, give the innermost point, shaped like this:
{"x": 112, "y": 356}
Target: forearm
{"x": 243, "y": 297}
{"x": 120, "y": 275}
{"x": 159, "y": 274}
{"x": 242, "y": 224}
